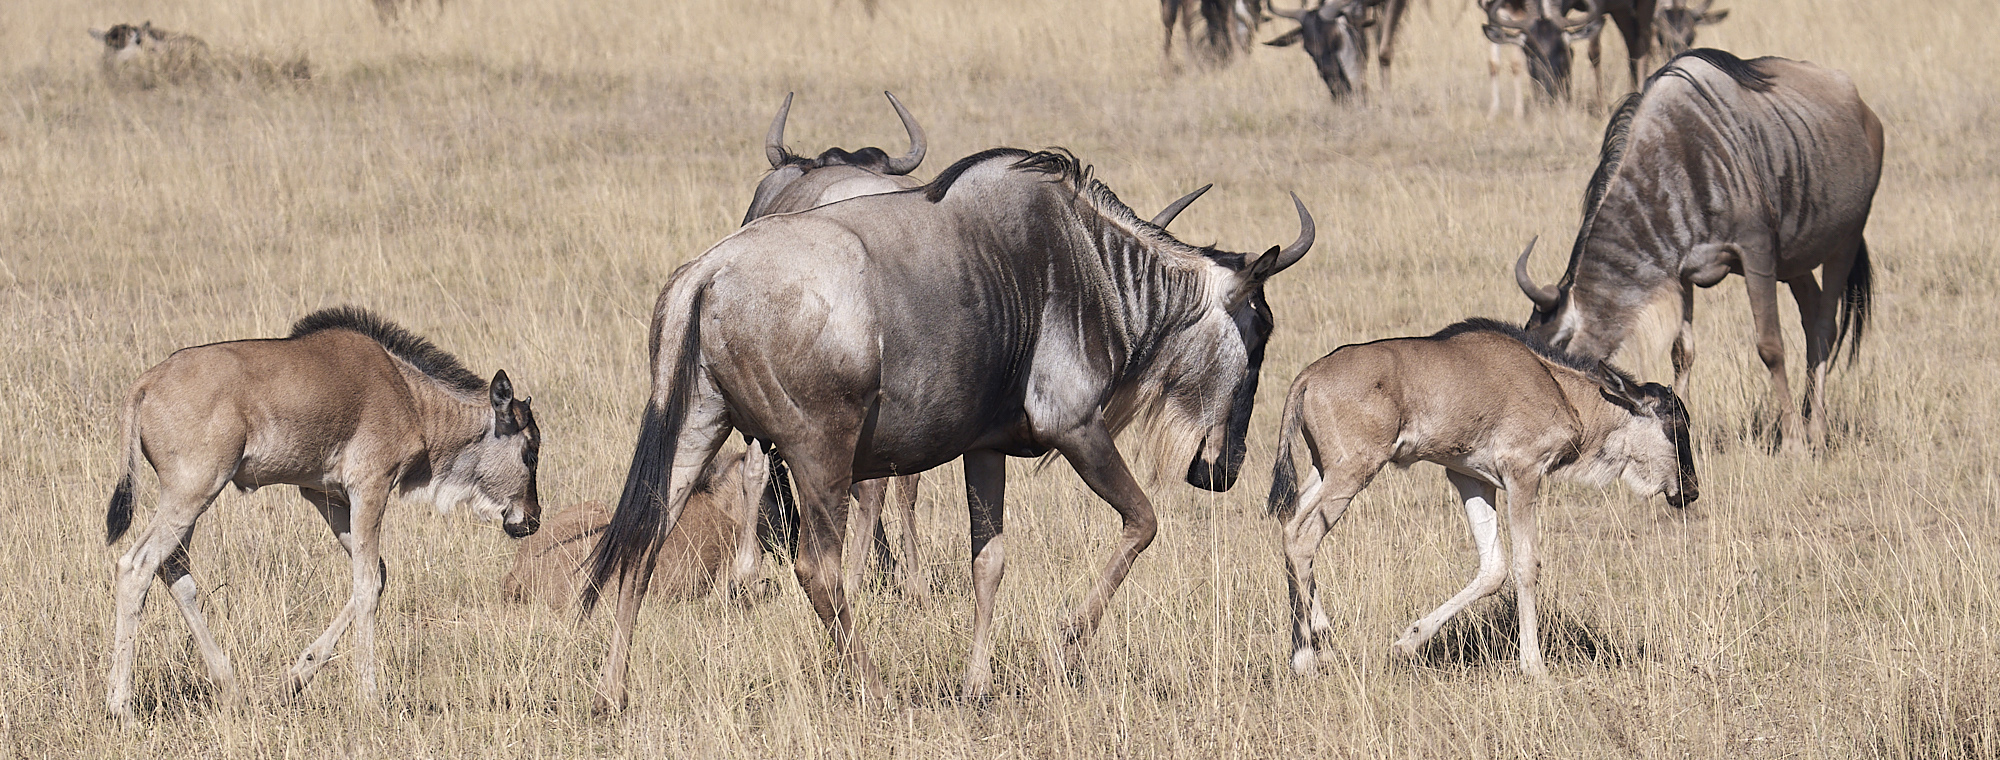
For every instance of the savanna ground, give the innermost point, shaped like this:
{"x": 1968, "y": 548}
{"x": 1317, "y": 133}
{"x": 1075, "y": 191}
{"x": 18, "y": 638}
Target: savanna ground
{"x": 516, "y": 180}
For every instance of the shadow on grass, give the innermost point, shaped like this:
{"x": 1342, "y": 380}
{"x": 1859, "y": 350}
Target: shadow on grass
{"x": 1487, "y": 634}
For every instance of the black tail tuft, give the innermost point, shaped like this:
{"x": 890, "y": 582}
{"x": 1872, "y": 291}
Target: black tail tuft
{"x": 118, "y": 518}
{"x": 1854, "y": 306}
{"x": 1285, "y": 475}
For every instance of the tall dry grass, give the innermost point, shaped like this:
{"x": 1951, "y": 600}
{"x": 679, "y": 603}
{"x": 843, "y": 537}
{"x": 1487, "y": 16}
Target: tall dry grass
{"x": 516, "y": 180}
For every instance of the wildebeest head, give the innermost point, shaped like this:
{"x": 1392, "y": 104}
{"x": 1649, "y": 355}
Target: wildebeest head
{"x": 503, "y": 463}
{"x": 1657, "y": 442}
{"x": 1220, "y": 457}
{"x": 1544, "y": 41}
{"x": 1677, "y": 20}
{"x": 122, "y": 36}
{"x": 1332, "y": 36}
{"x": 787, "y": 169}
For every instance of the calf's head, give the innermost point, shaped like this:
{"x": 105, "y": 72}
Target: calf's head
{"x": 1656, "y": 441}
{"x": 496, "y": 473}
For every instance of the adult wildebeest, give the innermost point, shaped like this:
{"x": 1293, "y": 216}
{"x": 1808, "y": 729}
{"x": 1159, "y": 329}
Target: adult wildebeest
{"x": 1544, "y": 32}
{"x": 1499, "y": 410}
{"x": 1230, "y": 24}
{"x": 1335, "y": 36}
{"x": 795, "y": 184}
{"x": 549, "y": 566}
{"x": 1674, "y": 26}
{"x": 1763, "y": 168}
{"x": 145, "y": 56}
{"x": 350, "y": 409}
{"x": 1011, "y": 307}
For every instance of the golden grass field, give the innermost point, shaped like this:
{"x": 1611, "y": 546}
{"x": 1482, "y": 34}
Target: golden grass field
{"x": 515, "y": 180}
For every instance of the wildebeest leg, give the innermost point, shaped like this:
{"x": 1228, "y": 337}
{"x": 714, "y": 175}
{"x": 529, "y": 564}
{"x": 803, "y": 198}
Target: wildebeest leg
{"x": 1319, "y": 509}
{"x": 1763, "y": 291}
{"x": 165, "y": 536}
{"x": 744, "y": 567}
{"x": 359, "y": 534}
{"x": 175, "y": 573}
{"x": 1392, "y": 17}
{"x": 985, "y": 502}
{"x": 1816, "y": 315}
{"x": 1169, "y": 11}
{"x": 1481, "y": 516}
{"x": 823, "y": 477}
{"x": 1090, "y": 451}
{"x": 1493, "y": 80}
{"x": 1596, "y": 54}
{"x": 914, "y": 575}
{"x": 863, "y": 524}
{"x": 1684, "y": 342}
{"x": 1522, "y": 493}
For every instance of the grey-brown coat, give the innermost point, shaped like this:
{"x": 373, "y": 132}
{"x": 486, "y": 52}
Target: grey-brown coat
{"x": 1496, "y": 408}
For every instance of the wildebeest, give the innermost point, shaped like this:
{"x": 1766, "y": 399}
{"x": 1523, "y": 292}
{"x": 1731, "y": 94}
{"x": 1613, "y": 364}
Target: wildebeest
{"x": 1674, "y": 25}
{"x": 1764, "y": 168}
{"x": 1544, "y": 32}
{"x": 1012, "y": 307}
{"x": 1229, "y": 25}
{"x": 1499, "y": 410}
{"x": 351, "y": 409}
{"x": 146, "y": 56}
{"x": 1335, "y": 36}
{"x": 549, "y": 566}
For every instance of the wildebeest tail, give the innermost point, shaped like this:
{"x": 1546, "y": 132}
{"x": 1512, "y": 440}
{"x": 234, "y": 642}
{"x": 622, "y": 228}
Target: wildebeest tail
{"x": 1854, "y": 304}
{"x": 118, "y": 517}
{"x": 1284, "y": 474}
{"x": 638, "y": 527}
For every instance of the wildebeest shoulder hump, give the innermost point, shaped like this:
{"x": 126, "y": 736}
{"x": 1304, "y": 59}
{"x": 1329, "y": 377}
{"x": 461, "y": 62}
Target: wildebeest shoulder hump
{"x": 403, "y": 344}
{"x": 1055, "y": 161}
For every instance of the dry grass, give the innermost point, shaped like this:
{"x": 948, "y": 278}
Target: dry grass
{"x": 515, "y": 180}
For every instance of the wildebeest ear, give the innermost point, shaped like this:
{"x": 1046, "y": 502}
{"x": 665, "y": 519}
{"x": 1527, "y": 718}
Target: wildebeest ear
{"x": 97, "y": 34}
{"x": 501, "y": 390}
{"x": 1712, "y": 17}
{"x": 1621, "y": 393}
{"x": 1283, "y": 40}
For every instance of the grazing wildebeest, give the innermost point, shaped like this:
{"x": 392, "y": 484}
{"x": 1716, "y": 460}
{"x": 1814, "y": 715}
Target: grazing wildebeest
{"x": 1012, "y": 307}
{"x": 146, "y": 56}
{"x": 797, "y": 183}
{"x": 350, "y": 409}
{"x": 1230, "y": 25}
{"x": 549, "y": 566}
{"x": 1335, "y": 36}
{"x": 1499, "y": 410}
{"x": 1674, "y": 26}
{"x": 1764, "y": 168}
{"x": 1544, "y": 35}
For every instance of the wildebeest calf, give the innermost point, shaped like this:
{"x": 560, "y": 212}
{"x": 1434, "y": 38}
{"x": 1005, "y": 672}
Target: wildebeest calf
{"x": 549, "y": 565}
{"x": 144, "y": 56}
{"x": 1498, "y": 409}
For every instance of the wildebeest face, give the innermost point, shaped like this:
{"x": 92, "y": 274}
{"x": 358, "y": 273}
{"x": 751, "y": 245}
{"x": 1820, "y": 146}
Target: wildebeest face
{"x": 505, "y": 462}
{"x": 1332, "y": 35}
{"x": 1658, "y": 443}
{"x": 1673, "y": 417}
{"x": 1676, "y": 26}
{"x": 120, "y": 37}
{"x": 1545, "y": 44}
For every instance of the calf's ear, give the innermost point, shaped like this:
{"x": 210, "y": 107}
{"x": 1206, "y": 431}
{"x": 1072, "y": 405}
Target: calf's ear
{"x": 97, "y": 34}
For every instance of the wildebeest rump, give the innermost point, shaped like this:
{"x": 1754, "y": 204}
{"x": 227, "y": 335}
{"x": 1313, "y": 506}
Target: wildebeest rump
{"x": 1763, "y": 168}
{"x": 1499, "y": 410}
{"x": 351, "y": 409}
{"x": 549, "y": 566}
{"x": 1013, "y": 306}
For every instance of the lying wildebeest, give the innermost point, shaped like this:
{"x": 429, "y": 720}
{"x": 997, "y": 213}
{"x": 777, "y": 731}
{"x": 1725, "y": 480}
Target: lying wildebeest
{"x": 1012, "y": 307}
{"x": 1499, "y": 410}
{"x": 797, "y": 183}
{"x": 1230, "y": 24}
{"x": 1674, "y": 25}
{"x": 549, "y": 566}
{"x": 1544, "y": 32}
{"x": 145, "y": 56}
{"x": 1763, "y": 168}
{"x": 1335, "y": 36}
{"x": 350, "y": 409}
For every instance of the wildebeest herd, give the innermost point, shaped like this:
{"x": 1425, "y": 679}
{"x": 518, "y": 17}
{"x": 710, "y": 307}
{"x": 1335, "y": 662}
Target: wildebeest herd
{"x": 862, "y": 325}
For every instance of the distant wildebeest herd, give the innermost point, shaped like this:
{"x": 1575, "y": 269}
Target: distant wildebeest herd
{"x": 863, "y": 326}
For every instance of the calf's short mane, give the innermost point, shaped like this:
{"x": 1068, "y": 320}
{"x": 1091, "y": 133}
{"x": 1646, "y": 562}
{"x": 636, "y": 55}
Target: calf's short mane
{"x": 1747, "y": 74}
{"x": 1598, "y": 371}
{"x": 434, "y": 362}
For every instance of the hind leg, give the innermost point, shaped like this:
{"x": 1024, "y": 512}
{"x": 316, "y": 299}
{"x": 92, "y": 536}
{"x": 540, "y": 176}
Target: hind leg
{"x": 823, "y": 471}
{"x": 1481, "y": 516}
{"x": 180, "y": 582}
{"x": 1321, "y": 506}
{"x": 1762, "y": 288}
{"x": 164, "y": 537}
{"x": 913, "y": 575}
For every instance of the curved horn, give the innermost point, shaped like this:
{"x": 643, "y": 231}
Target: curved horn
{"x": 1297, "y": 250}
{"x": 1166, "y": 215}
{"x": 907, "y": 162}
{"x": 1596, "y": 12}
{"x": 1493, "y": 18}
{"x": 1544, "y": 298}
{"x": 774, "y": 141}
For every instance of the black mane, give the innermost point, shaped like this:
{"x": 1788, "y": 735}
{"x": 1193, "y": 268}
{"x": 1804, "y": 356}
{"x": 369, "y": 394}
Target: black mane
{"x": 1595, "y": 369}
{"x": 434, "y": 362}
{"x": 1054, "y": 161}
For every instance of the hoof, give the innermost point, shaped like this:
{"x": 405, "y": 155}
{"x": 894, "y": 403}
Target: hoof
{"x": 1305, "y": 663}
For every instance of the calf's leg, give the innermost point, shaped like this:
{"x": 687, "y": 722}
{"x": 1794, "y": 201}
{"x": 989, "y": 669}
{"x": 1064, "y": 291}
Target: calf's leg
{"x": 1483, "y": 518}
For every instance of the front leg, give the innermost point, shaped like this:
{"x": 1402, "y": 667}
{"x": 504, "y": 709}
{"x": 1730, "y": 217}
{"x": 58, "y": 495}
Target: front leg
{"x": 1684, "y": 342}
{"x": 1522, "y": 493}
{"x": 1481, "y": 516}
{"x": 1090, "y": 451}
{"x": 985, "y": 502}
{"x": 1763, "y": 292}
{"x": 358, "y": 531}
